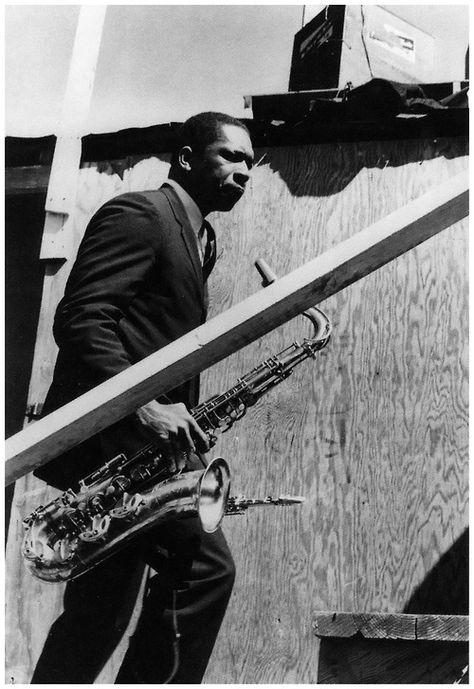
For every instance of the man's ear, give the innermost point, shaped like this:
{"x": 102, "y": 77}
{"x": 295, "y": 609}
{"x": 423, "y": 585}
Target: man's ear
{"x": 185, "y": 158}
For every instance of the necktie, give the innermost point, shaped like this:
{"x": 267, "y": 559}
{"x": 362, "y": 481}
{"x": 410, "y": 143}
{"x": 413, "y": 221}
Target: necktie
{"x": 207, "y": 238}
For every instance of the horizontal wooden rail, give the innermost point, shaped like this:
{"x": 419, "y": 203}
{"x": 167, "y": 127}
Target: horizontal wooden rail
{"x": 223, "y": 335}
{"x": 391, "y": 626}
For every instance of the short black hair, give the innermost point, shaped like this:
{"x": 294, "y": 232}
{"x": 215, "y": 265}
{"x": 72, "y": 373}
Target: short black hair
{"x": 201, "y": 130}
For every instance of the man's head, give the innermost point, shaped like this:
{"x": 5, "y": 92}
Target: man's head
{"x": 212, "y": 160}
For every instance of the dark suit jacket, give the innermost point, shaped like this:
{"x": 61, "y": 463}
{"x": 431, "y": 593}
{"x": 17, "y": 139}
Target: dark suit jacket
{"x": 136, "y": 285}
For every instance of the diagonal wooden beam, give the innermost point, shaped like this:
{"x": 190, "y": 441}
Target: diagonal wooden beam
{"x": 250, "y": 319}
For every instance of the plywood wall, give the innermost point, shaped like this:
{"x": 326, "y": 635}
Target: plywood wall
{"x": 373, "y": 432}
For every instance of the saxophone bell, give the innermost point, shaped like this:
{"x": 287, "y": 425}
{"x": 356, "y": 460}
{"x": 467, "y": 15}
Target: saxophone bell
{"x": 214, "y": 494}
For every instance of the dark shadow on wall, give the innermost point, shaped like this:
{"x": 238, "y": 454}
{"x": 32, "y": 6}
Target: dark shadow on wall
{"x": 445, "y": 590}
{"x": 118, "y": 167}
{"x": 326, "y": 169}
{"x": 323, "y": 168}
{"x": 359, "y": 660}
{"x": 24, "y": 219}
{"x": 378, "y": 124}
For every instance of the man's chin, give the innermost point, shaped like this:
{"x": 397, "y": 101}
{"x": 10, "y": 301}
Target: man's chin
{"x": 226, "y": 207}
{"x": 227, "y": 202}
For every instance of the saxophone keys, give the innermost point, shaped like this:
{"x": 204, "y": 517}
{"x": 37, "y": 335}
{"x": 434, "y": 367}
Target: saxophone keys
{"x": 64, "y": 549}
{"x": 29, "y": 550}
{"x": 129, "y": 507}
{"x": 37, "y": 550}
{"x": 212, "y": 438}
{"x": 99, "y": 527}
{"x": 35, "y": 545}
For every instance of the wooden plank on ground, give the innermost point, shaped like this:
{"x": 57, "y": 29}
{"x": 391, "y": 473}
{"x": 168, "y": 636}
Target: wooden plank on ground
{"x": 218, "y": 338}
{"x": 382, "y": 661}
{"x": 391, "y": 626}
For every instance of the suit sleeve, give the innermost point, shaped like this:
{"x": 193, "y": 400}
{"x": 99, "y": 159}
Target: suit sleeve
{"x": 115, "y": 257}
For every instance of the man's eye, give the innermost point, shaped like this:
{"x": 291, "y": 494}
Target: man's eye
{"x": 232, "y": 156}
{"x": 237, "y": 157}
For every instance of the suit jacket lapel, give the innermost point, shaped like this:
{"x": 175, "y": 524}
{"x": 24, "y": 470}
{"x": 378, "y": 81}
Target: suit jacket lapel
{"x": 187, "y": 233}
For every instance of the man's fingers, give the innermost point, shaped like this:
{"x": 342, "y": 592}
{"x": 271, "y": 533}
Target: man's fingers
{"x": 174, "y": 423}
{"x": 185, "y": 440}
{"x": 202, "y": 438}
{"x": 181, "y": 438}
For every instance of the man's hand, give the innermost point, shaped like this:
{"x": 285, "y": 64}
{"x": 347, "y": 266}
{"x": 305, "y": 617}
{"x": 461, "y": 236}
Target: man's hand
{"x": 174, "y": 425}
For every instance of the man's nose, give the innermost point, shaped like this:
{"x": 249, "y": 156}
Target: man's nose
{"x": 242, "y": 173}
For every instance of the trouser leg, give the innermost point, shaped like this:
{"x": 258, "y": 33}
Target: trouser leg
{"x": 97, "y": 608}
{"x": 206, "y": 573}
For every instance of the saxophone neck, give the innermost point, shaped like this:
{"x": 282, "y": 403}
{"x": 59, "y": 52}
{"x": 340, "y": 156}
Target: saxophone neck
{"x": 321, "y": 323}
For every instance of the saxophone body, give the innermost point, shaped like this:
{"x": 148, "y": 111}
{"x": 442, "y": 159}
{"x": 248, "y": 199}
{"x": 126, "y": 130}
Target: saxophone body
{"x": 78, "y": 530}
{"x": 127, "y": 496}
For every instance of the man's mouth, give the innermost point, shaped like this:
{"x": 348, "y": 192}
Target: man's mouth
{"x": 237, "y": 189}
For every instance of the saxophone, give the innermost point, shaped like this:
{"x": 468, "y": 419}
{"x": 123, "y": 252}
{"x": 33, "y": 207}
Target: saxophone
{"x": 128, "y": 495}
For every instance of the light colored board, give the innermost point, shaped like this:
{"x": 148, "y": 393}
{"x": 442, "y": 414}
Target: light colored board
{"x": 225, "y": 334}
{"x": 57, "y": 240}
{"x": 381, "y": 458}
{"x": 391, "y": 626}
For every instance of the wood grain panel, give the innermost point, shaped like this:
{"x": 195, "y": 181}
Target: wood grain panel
{"x": 373, "y": 432}
{"x": 349, "y": 430}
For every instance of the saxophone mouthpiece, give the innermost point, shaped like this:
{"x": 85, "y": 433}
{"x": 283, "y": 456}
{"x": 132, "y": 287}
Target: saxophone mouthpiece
{"x": 290, "y": 499}
{"x": 239, "y": 504}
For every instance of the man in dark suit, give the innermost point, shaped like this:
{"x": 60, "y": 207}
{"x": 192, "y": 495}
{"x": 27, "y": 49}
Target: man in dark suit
{"x": 138, "y": 283}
